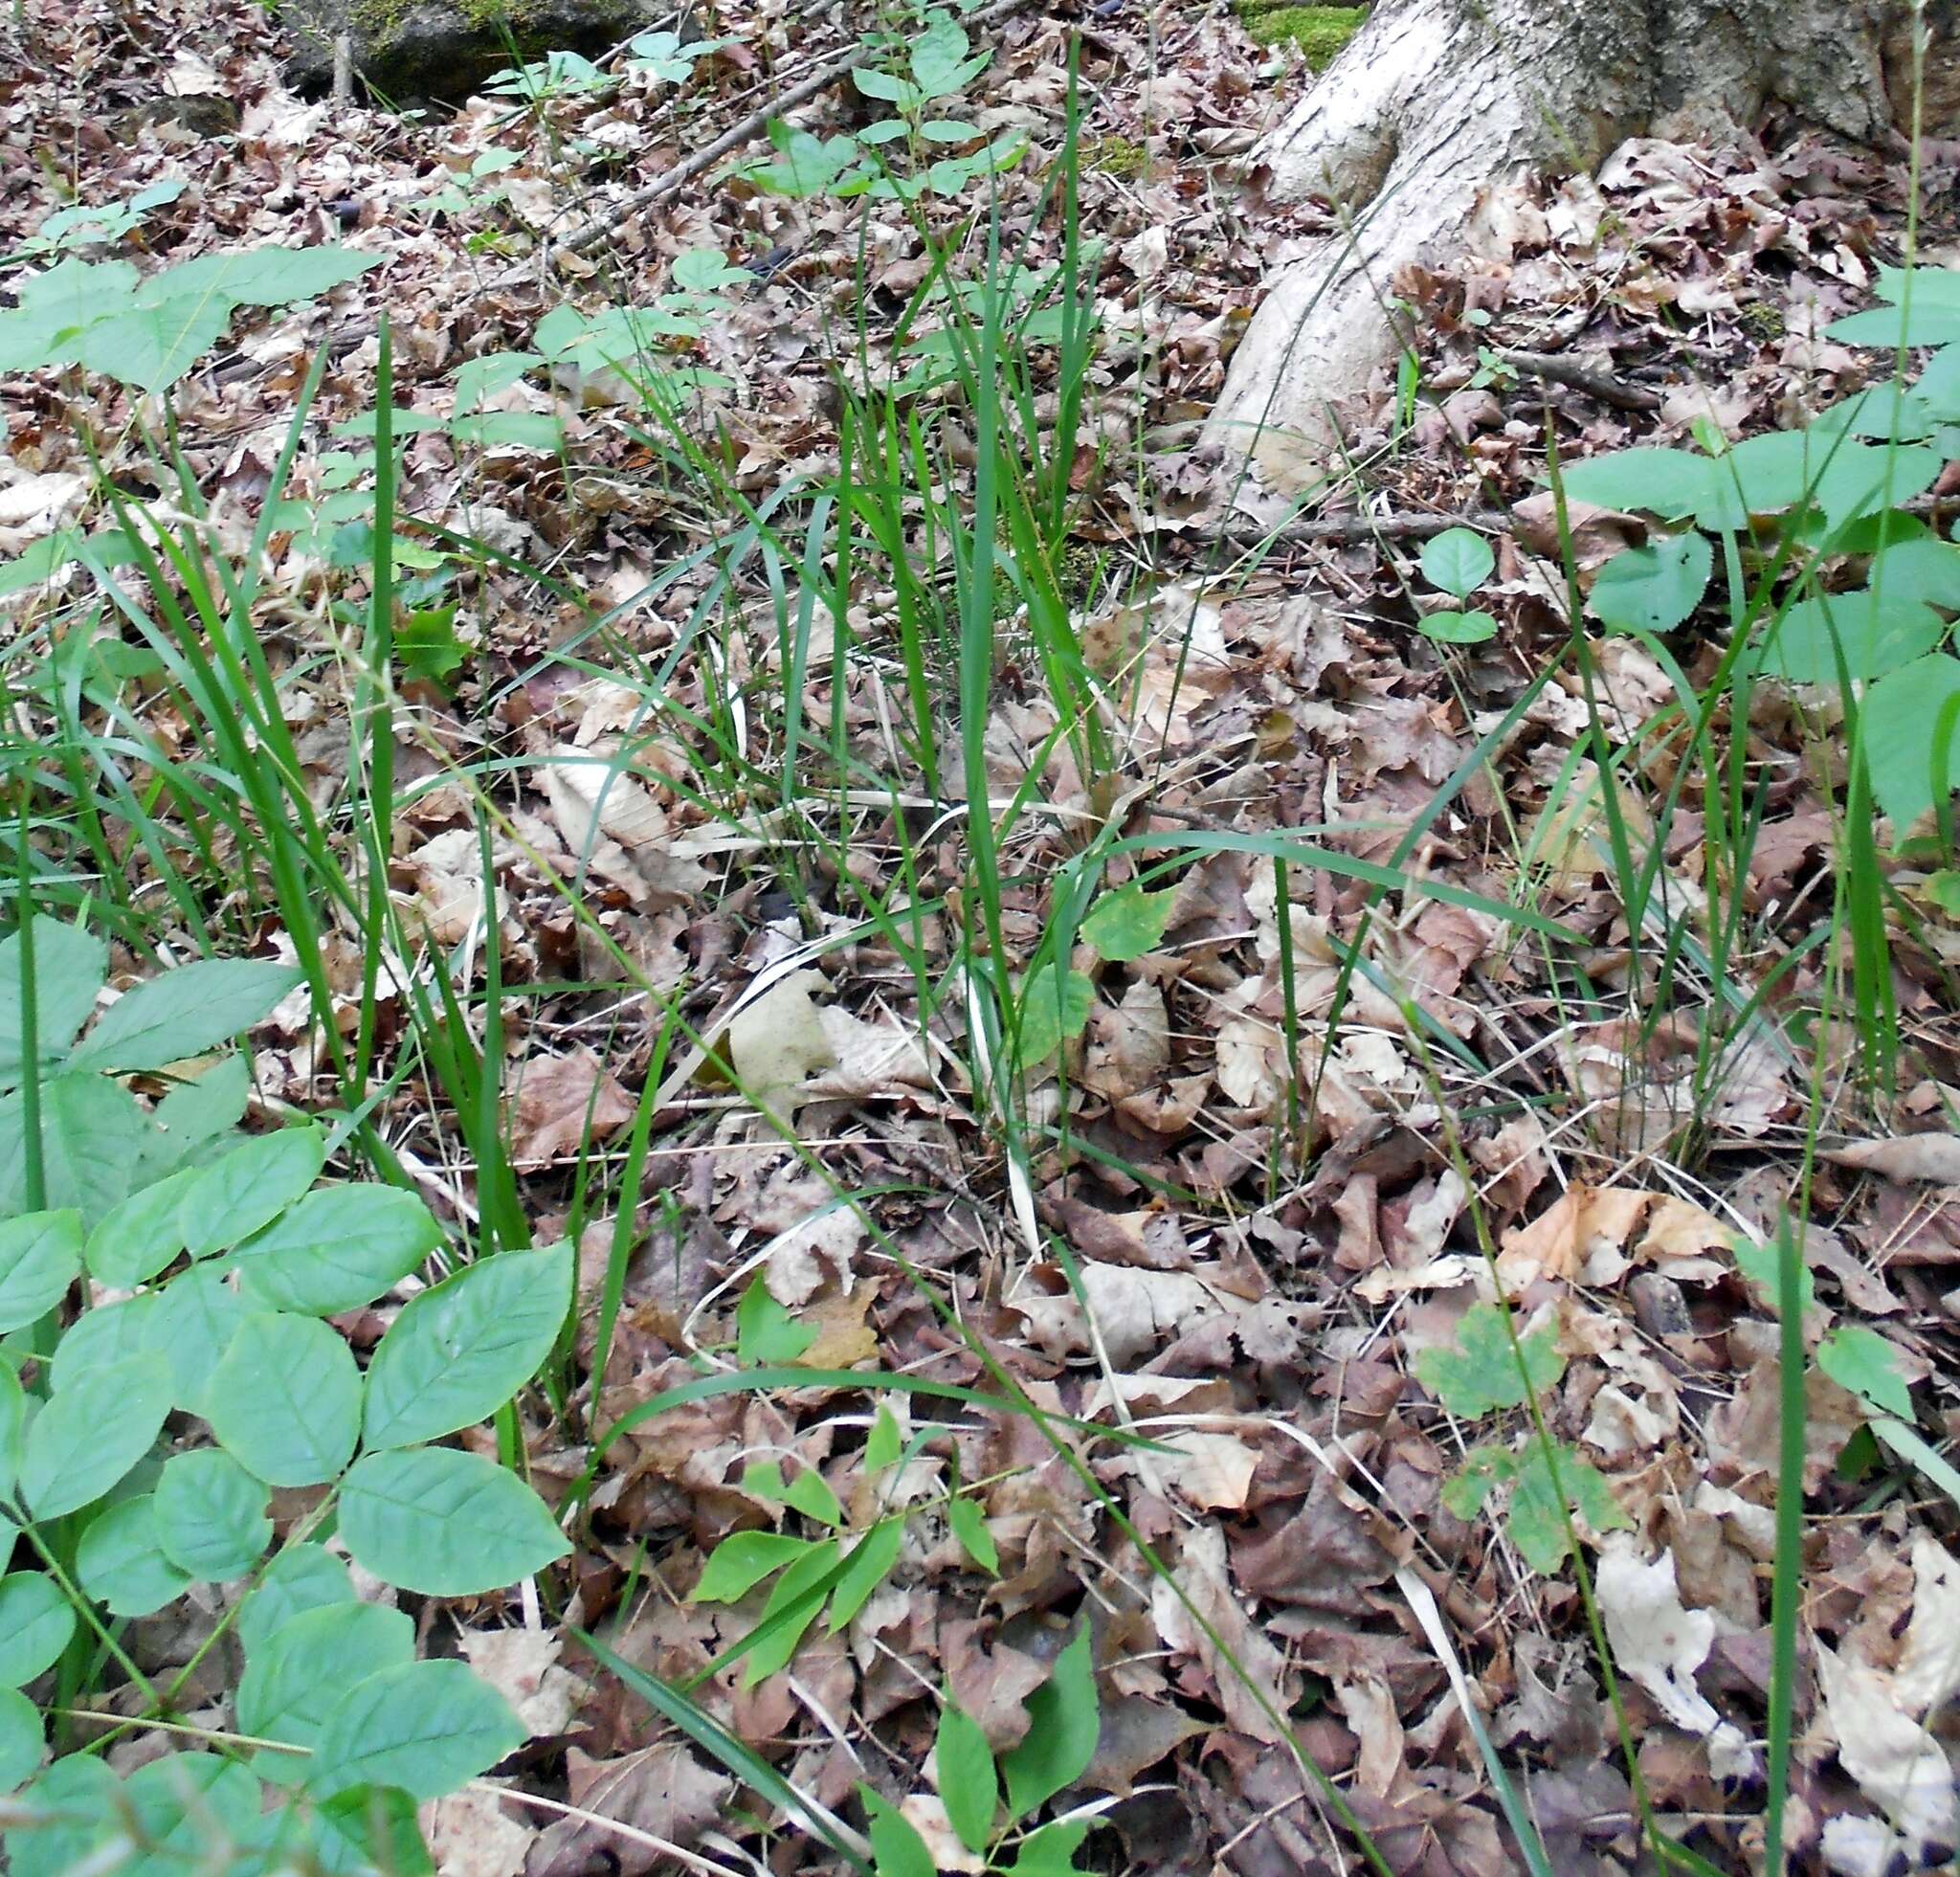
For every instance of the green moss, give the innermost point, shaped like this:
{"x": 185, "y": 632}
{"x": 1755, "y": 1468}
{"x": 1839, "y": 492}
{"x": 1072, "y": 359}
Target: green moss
{"x": 1317, "y": 32}
{"x": 1763, "y": 320}
{"x": 1120, "y": 157}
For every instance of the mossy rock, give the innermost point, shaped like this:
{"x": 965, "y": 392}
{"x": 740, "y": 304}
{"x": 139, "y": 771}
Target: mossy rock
{"x": 414, "y": 49}
{"x": 1317, "y": 33}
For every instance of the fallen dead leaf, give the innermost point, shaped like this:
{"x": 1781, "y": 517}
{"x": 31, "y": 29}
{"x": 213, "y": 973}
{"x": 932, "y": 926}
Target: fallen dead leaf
{"x": 561, "y": 1100}
{"x": 1934, "y": 1157}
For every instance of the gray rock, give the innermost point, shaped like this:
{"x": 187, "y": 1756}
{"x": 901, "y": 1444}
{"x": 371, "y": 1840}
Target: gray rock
{"x": 410, "y": 50}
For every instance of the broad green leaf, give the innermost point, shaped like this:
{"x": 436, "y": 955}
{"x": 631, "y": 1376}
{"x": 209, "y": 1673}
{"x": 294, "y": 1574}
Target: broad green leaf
{"x": 1063, "y": 1725}
{"x": 103, "y": 1338}
{"x": 427, "y": 1727}
{"x": 793, "y": 1602}
{"x": 1924, "y": 568}
{"x": 1900, "y": 717}
{"x": 897, "y": 1849}
{"x": 1923, "y": 311}
{"x": 1886, "y": 413}
{"x": 92, "y": 1137}
{"x": 22, "y": 1741}
{"x": 884, "y": 86}
{"x": 967, "y": 1785}
{"x": 256, "y": 277}
{"x": 74, "y": 1804}
{"x": 1667, "y": 482}
{"x": 1873, "y": 632}
{"x": 1938, "y": 387}
{"x": 1654, "y": 589}
{"x": 196, "y": 1113}
{"x": 302, "y": 1577}
{"x": 939, "y": 61}
{"x": 478, "y": 378}
{"x": 1453, "y": 627}
{"x": 366, "y": 1829}
{"x": 184, "y": 1013}
{"x": 294, "y": 1676}
{"x": 807, "y": 1493}
{"x": 1761, "y": 1264}
{"x": 134, "y": 1241}
{"x": 152, "y": 346}
{"x": 969, "y": 1526}
{"x": 189, "y": 1804}
{"x": 509, "y": 430}
{"x": 1481, "y": 1374}
{"x": 765, "y": 1333}
{"x": 1860, "y": 1359}
{"x": 210, "y": 1515}
{"x": 740, "y": 1562}
{"x": 120, "y": 1561}
{"x": 444, "y": 1522}
{"x": 191, "y": 1325}
{"x": 250, "y": 1186}
{"x": 459, "y": 1350}
{"x": 868, "y": 1566}
{"x": 1051, "y": 1851}
{"x": 70, "y": 965}
{"x": 36, "y": 1623}
{"x": 1128, "y": 921}
{"x": 12, "y": 1427}
{"x": 75, "y": 1451}
{"x": 809, "y": 166}
{"x": 339, "y": 1248}
{"x": 1051, "y": 1011}
{"x": 1466, "y": 1491}
{"x": 284, "y": 1399}
{"x": 41, "y": 1256}
{"x": 1458, "y": 561}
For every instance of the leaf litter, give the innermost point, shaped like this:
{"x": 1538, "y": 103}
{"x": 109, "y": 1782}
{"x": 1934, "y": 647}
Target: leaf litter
{"x": 1264, "y": 1251}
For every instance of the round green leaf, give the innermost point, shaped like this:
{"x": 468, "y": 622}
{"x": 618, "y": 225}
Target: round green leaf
{"x": 294, "y": 1676}
{"x": 36, "y": 1623}
{"x": 1654, "y": 589}
{"x": 74, "y": 1806}
{"x": 427, "y": 1727}
{"x": 22, "y": 1742}
{"x": 76, "y": 1449}
{"x": 444, "y": 1522}
{"x": 249, "y": 1188}
{"x": 1667, "y": 482}
{"x": 302, "y": 1577}
{"x": 135, "y": 1241}
{"x": 121, "y": 1561}
{"x": 338, "y": 1249}
{"x": 285, "y": 1400}
{"x": 1457, "y": 628}
{"x": 1903, "y": 713}
{"x": 458, "y": 1352}
{"x": 1458, "y": 561}
{"x": 99, "y": 1338}
{"x": 191, "y": 1326}
{"x": 41, "y": 1256}
{"x": 210, "y": 1515}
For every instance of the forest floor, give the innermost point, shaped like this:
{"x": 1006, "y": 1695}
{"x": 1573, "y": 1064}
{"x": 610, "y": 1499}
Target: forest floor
{"x": 1293, "y": 1149}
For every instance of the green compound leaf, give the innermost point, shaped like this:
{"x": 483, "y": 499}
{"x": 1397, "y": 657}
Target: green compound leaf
{"x": 1861, "y": 1360}
{"x": 121, "y": 1561}
{"x": 285, "y": 1401}
{"x": 184, "y": 1013}
{"x": 444, "y": 1522}
{"x": 190, "y": 1327}
{"x": 22, "y": 1741}
{"x": 807, "y": 1493}
{"x": 298, "y": 1675}
{"x": 75, "y": 1452}
{"x": 967, "y": 1785}
{"x": 133, "y": 1242}
{"x": 743, "y": 1560}
{"x": 1063, "y": 1725}
{"x": 1458, "y": 561}
{"x": 186, "y": 1804}
{"x": 426, "y": 1727}
{"x": 1481, "y": 1374}
{"x": 338, "y": 1249}
{"x": 36, "y": 1623}
{"x": 765, "y": 1333}
{"x": 1654, "y": 589}
{"x": 250, "y": 1186}
{"x": 210, "y": 1515}
{"x": 1126, "y": 923}
{"x": 41, "y": 1256}
{"x": 790, "y": 1609}
{"x": 371, "y": 1828}
{"x": 76, "y": 1818}
{"x": 302, "y": 1577}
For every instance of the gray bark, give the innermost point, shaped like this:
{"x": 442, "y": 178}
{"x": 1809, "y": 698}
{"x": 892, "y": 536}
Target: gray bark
{"x": 1435, "y": 102}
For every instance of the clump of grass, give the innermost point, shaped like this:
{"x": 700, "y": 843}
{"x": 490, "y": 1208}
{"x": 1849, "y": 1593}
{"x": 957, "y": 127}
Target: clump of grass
{"x": 1317, "y": 33}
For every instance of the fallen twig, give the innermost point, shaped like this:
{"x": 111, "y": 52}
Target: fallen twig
{"x": 1561, "y": 369}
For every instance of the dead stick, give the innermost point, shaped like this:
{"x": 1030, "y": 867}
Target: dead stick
{"x": 1602, "y": 385}
{"x": 685, "y": 172}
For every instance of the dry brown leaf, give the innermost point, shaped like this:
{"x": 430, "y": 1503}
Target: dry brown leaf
{"x": 473, "y": 1833}
{"x": 1934, "y": 1157}
{"x": 779, "y": 1041}
{"x": 664, "y": 1791}
{"x": 561, "y": 1100}
{"x": 522, "y": 1664}
{"x": 843, "y": 1338}
{"x": 1201, "y": 1574}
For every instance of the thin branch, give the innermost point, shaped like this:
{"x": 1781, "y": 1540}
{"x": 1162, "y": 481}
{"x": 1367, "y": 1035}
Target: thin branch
{"x": 1561, "y": 369}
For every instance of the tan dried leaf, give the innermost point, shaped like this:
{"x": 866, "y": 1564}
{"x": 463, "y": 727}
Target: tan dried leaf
{"x": 779, "y": 1041}
{"x": 1934, "y": 1157}
{"x": 561, "y": 1100}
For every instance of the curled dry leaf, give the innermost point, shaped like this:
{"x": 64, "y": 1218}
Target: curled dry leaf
{"x": 1595, "y": 1235}
{"x": 523, "y": 1667}
{"x": 1239, "y": 1640}
{"x": 1934, "y": 1157}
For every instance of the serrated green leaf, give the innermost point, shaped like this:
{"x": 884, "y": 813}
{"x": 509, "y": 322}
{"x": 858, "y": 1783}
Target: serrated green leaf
{"x": 184, "y": 1013}
{"x": 340, "y": 1248}
{"x": 868, "y": 1567}
{"x": 121, "y": 1561}
{"x": 1654, "y": 589}
{"x": 134, "y": 1241}
{"x": 1860, "y": 1359}
{"x": 461, "y": 1349}
{"x": 1063, "y": 1725}
{"x": 969, "y": 1526}
{"x": 969, "y": 1787}
{"x": 444, "y": 1522}
{"x": 75, "y": 1452}
{"x": 1535, "y": 1521}
{"x": 740, "y": 1562}
{"x": 1458, "y": 561}
{"x": 1128, "y": 921}
{"x": 303, "y": 1577}
{"x": 250, "y": 1186}
{"x": 1466, "y": 1491}
{"x": 210, "y": 1515}
{"x": 36, "y": 1623}
{"x": 41, "y": 1256}
{"x": 1481, "y": 1374}
{"x": 284, "y": 1399}
{"x": 70, "y": 965}
{"x": 295, "y": 1676}
{"x": 22, "y": 1741}
{"x": 426, "y": 1727}
{"x": 765, "y": 1333}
